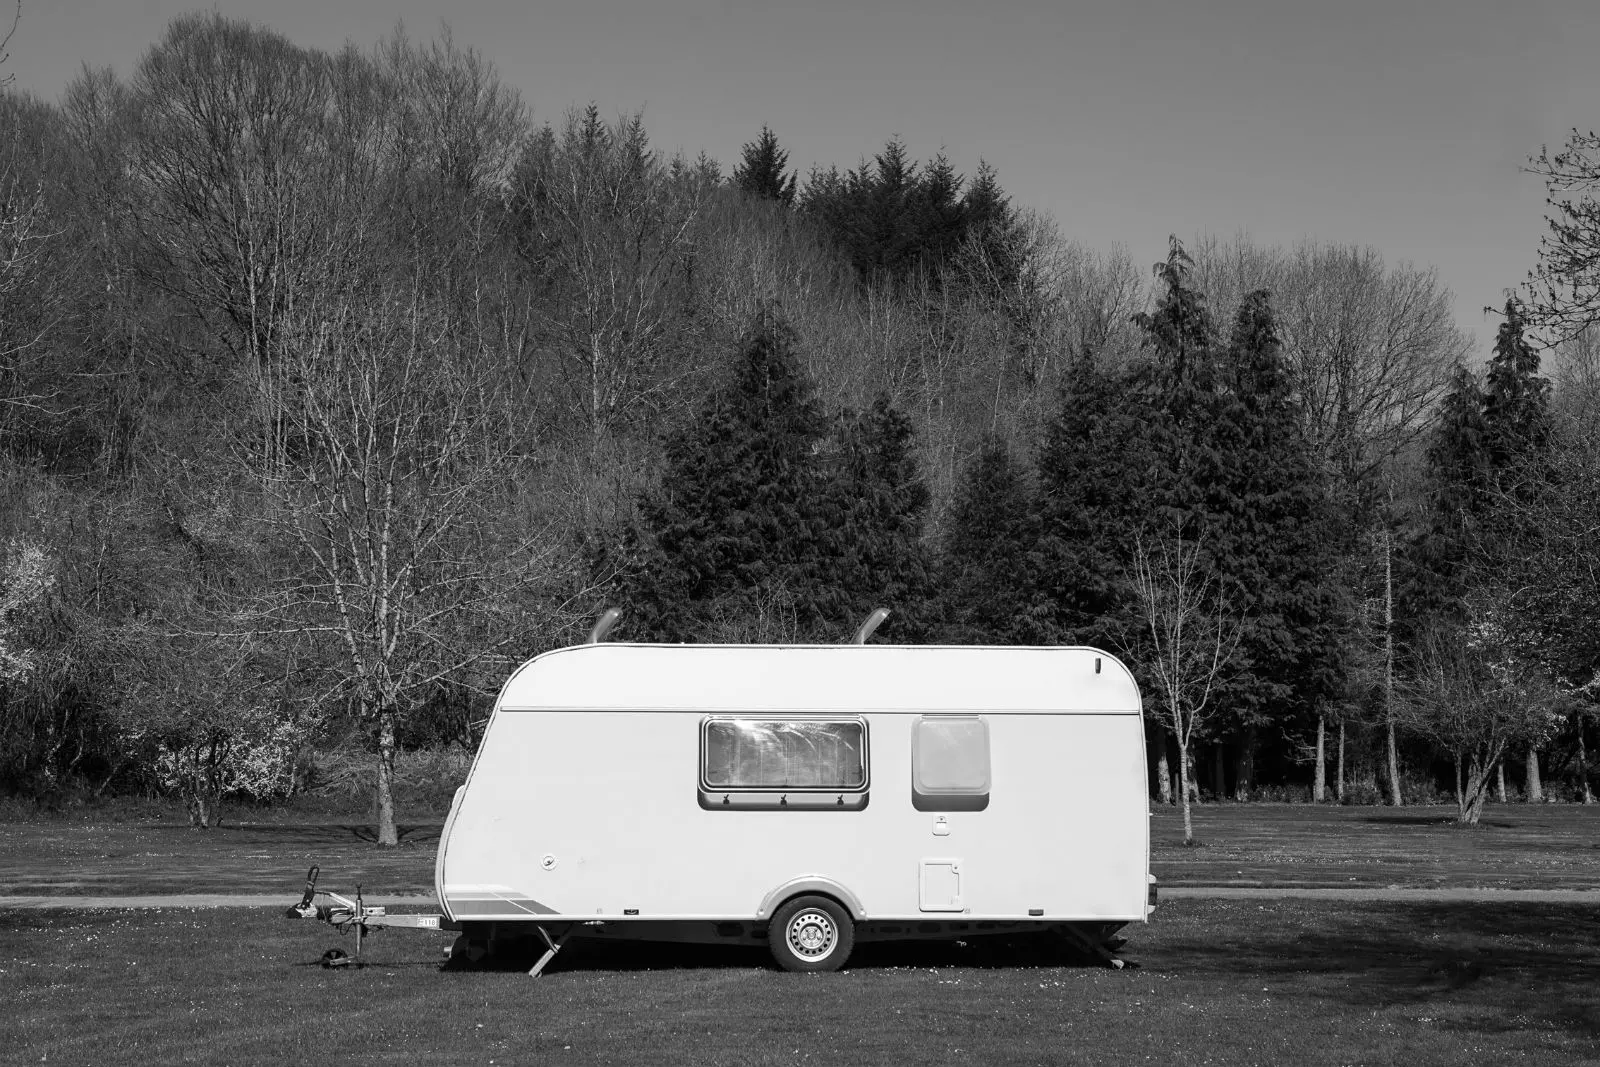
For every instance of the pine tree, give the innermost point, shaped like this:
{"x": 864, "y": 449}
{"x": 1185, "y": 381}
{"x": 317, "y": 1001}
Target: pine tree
{"x": 1484, "y": 454}
{"x": 940, "y": 218}
{"x": 1096, "y": 486}
{"x": 887, "y": 243}
{"x": 731, "y": 535}
{"x": 872, "y": 554}
{"x": 1275, "y": 533}
{"x": 988, "y": 588}
{"x": 990, "y": 223}
{"x": 1515, "y": 399}
{"x": 761, "y": 169}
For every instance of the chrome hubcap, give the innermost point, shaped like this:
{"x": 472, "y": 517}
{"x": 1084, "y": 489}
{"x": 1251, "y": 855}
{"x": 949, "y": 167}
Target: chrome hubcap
{"x": 811, "y": 935}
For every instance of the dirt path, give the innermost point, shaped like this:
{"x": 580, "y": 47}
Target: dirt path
{"x": 1589, "y": 897}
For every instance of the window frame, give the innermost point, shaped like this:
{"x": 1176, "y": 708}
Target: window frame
{"x": 784, "y": 798}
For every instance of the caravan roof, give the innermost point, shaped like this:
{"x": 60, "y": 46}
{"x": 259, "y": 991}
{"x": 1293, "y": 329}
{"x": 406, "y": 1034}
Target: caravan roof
{"x": 823, "y": 679}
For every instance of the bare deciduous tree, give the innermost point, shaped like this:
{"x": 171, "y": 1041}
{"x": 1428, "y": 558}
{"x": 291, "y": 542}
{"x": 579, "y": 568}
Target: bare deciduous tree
{"x": 5, "y": 42}
{"x": 1564, "y": 289}
{"x": 228, "y": 127}
{"x": 1475, "y": 693}
{"x": 38, "y": 269}
{"x": 1371, "y": 347}
{"x": 1193, "y": 636}
{"x": 609, "y": 229}
{"x": 387, "y": 452}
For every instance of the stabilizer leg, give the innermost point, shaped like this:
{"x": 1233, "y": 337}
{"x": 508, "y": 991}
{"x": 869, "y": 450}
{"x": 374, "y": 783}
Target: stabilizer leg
{"x": 1095, "y": 949}
{"x": 551, "y": 948}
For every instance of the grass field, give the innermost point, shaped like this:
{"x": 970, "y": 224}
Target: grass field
{"x": 1285, "y": 982}
{"x": 1517, "y": 846}
{"x": 1227, "y": 982}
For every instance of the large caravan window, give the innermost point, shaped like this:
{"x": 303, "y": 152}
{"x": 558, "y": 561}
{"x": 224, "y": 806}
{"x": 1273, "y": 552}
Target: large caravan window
{"x": 950, "y": 763}
{"x": 749, "y": 762}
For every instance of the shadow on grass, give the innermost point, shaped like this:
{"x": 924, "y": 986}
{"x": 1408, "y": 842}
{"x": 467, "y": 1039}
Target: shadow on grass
{"x": 1448, "y": 821}
{"x": 419, "y": 834}
{"x": 629, "y": 956}
{"x": 1521, "y": 962}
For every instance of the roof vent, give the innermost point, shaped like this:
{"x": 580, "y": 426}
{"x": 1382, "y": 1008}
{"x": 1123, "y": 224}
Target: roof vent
{"x": 872, "y": 622}
{"x": 603, "y": 625}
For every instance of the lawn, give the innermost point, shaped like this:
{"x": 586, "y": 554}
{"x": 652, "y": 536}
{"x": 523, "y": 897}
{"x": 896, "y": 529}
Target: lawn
{"x": 1516, "y": 846}
{"x": 1283, "y": 981}
{"x": 1224, "y": 982}
{"x": 154, "y": 851}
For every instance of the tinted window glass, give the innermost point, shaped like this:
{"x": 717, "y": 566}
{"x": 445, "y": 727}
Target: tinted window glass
{"x": 950, "y": 763}
{"x": 784, "y": 754}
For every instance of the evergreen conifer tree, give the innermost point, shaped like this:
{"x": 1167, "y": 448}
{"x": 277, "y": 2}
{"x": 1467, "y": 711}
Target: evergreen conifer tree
{"x": 988, "y": 587}
{"x": 1275, "y": 533}
{"x": 1096, "y": 485}
{"x": 761, "y": 169}
{"x": 872, "y": 553}
{"x": 990, "y": 223}
{"x": 732, "y": 534}
{"x": 1486, "y": 446}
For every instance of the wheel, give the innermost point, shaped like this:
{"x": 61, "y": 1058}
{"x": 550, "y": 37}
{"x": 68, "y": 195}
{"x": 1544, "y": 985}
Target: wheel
{"x": 811, "y": 934}
{"x": 467, "y": 952}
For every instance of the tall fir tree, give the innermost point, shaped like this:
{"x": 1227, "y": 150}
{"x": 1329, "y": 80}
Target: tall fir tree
{"x": 940, "y": 215}
{"x": 732, "y": 533}
{"x": 762, "y": 169}
{"x": 1483, "y": 455}
{"x": 1516, "y": 401}
{"x": 1276, "y": 536}
{"x": 1096, "y": 485}
{"x": 988, "y": 590}
{"x": 872, "y": 552}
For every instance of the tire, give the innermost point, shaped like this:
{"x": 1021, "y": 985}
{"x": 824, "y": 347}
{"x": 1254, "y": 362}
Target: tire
{"x": 811, "y": 935}
{"x": 467, "y": 952}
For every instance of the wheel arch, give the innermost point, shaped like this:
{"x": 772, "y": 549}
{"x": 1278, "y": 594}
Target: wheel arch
{"x": 811, "y": 885}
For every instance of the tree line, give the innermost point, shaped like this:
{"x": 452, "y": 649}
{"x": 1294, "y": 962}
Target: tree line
{"x": 332, "y": 385}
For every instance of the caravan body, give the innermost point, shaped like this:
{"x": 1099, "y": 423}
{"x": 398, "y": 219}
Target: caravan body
{"x": 709, "y": 791}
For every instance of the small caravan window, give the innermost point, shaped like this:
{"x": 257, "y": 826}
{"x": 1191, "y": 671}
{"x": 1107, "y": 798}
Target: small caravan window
{"x": 950, "y": 763}
{"x": 783, "y": 763}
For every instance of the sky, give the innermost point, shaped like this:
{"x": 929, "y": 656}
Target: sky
{"x": 1400, "y": 124}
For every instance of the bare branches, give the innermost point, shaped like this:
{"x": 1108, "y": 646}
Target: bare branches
{"x": 5, "y": 43}
{"x": 1193, "y": 634}
{"x": 1564, "y": 289}
{"x": 612, "y": 229}
{"x": 1371, "y": 347}
{"x": 1474, "y": 692}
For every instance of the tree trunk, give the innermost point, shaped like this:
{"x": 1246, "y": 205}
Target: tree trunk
{"x": 1535, "y": 787}
{"x": 1470, "y": 804}
{"x": 1184, "y": 767}
{"x": 1583, "y": 767}
{"x": 1319, "y": 789}
{"x": 1338, "y": 781}
{"x": 386, "y": 750}
{"x": 1500, "y": 782}
{"x": 1191, "y": 785}
{"x": 1388, "y": 669}
{"x": 1163, "y": 773}
{"x": 1219, "y": 772}
{"x": 1461, "y": 796}
{"x": 1245, "y": 770}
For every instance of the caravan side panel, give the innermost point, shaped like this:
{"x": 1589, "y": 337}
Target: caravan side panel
{"x": 595, "y": 813}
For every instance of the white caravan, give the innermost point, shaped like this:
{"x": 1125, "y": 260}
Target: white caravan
{"x": 809, "y": 796}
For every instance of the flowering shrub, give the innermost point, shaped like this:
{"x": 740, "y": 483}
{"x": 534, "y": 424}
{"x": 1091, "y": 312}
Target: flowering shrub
{"x": 25, "y": 581}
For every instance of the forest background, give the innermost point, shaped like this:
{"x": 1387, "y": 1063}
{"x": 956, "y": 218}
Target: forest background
{"x": 332, "y": 386}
